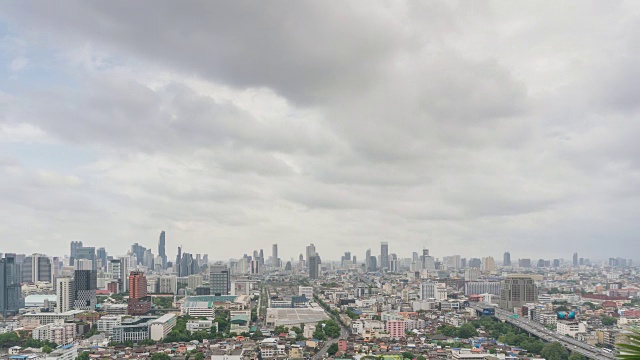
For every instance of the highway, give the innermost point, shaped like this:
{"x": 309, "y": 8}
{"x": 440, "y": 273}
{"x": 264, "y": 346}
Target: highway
{"x": 538, "y": 330}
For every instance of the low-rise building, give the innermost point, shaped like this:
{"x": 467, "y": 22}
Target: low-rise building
{"x": 160, "y": 328}
{"x": 59, "y": 333}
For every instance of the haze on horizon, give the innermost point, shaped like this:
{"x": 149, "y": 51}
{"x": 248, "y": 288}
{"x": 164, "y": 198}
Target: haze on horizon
{"x": 467, "y": 127}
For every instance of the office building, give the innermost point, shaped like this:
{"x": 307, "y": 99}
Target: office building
{"x": 88, "y": 253}
{"x": 65, "y": 293}
{"x": 488, "y": 265}
{"x": 72, "y": 254}
{"x": 162, "y": 249}
{"x": 138, "y": 303}
{"x": 516, "y": 291}
{"x": 10, "y": 292}
{"x": 384, "y": 255}
{"x": 85, "y": 282}
{"x": 432, "y": 290}
{"x": 37, "y": 268}
{"x": 255, "y": 267}
{"x": 161, "y": 327}
{"x": 575, "y": 260}
{"x": 314, "y": 266}
{"x": 506, "y": 259}
{"x": 373, "y": 264}
{"x": 482, "y": 287}
{"x": 101, "y": 256}
{"x": 275, "y": 261}
{"x": 83, "y": 264}
{"x": 524, "y": 263}
{"x": 367, "y": 261}
{"x": 219, "y": 280}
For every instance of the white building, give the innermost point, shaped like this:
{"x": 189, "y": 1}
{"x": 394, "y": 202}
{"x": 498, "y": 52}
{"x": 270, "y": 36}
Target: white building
{"x": 68, "y": 352}
{"x": 59, "y": 333}
{"x": 65, "y": 293}
{"x": 200, "y": 325}
{"x": 570, "y": 328}
{"x": 431, "y": 290}
{"x": 194, "y": 281}
{"x": 107, "y": 323}
{"x": 161, "y": 327}
{"x": 307, "y": 291}
{"x": 168, "y": 284}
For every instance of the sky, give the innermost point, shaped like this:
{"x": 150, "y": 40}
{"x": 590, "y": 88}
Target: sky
{"x": 466, "y": 127}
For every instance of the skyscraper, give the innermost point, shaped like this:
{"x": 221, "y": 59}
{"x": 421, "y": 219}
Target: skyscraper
{"x": 88, "y": 253}
{"x": 314, "y": 266}
{"x": 161, "y": 250}
{"x": 517, "y": 290}
{"x": 138, "y": 303}
{"x": 219, "y": 280}
{"x": 506, "y": 259}
{"x": 85, "y": 282}
{"x": 384, "y": 255}
{"x": 10, "y": 291}
{"x": 178, "y": 262}
{"x": 575, "y": 259}
{"x": 101, "y": 256}
{"x": 65, "y": 293}
{"x": 138, "y": 251}
{"x": 72, "y": 254}
{"x": 367, "y": 261}
{"x": 37, "y": 268}
{"x": 274, "y": 256}
{"x": 488, "y": 265}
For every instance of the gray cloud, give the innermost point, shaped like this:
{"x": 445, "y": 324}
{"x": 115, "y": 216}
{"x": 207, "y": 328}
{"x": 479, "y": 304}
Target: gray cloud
{"x": 469, "y": 129}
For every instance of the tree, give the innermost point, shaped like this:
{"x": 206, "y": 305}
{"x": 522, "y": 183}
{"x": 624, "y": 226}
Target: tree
{"x": 608, "y": 321}
{"x": 576, "y": 356}
{"x": 420, "y": 357}
{"x": 632, "y": 347}
{"x": 47, "y": 349}
{"x": 257, "y": 334}
{"x": 333, "y": 349}
{"x": 83, "y": 356}
{"x": 319, "y": 333}
{"x": 160, "y": 356}
{"x": 554, "y": 351}
{"x": 466, "y": 331}
{"x": 407, "y": 355}
{"x": 281, "y": 329}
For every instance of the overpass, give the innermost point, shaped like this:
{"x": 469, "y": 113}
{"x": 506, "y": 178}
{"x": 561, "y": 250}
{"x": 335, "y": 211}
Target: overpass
{"x": 538, "y": 330}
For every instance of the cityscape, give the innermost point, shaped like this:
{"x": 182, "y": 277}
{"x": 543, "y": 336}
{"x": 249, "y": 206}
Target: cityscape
{"x": 320, "y": 180}
{"x": 92, "y": 304}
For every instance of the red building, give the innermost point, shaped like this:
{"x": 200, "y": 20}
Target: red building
{"x": 138, "y": 303}
{"x": 342, "y": 345}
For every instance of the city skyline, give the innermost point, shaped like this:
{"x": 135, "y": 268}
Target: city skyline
{"x": 459, "y": 128}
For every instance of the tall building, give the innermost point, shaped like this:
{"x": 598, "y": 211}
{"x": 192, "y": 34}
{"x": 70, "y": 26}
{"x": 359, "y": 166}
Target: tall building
{"x": 178, "y": 262}
{"x": 188, "y": 265}
{"x": 367, "y": 261}
{"x": 506, "y": 259}
{"x": 373, "y": 264}
{"x": 72, "y": 253}
{"x": 255, "y": 268}
{"x": 65, "y": 293}
{"x": 517, "y": 290}
{"x": 138, "y": 303}
{"x": 10, "y": 292}
{"x": 575, "y": 259}
{"x": 85, "y": 282}
{"x": 219, "y": 280}
{"x": 138, "y": 250}
{"x": 384, "y": 255}
{"x": 162, "y": 250}
{"x": 274, "y": 256}
{"x": 314, "y": 266}
{"x": 428, "y": 262}
{"x": 37, "y": 268}
{"x": 101, "y": 256}
{"x": 488, "y": 265}
{"x": 88, "y": 253}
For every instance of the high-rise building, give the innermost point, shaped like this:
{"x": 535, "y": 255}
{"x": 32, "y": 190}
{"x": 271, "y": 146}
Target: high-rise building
{"x": 88, "y": 253}
{"x": 255, "y": 268}
{"x": 475, "y": 263}
{"x": 517, "y": 290}
{"x": 524, "y": 263}
{"x": 488, "y": 265}
{"x": 85, "y": 282}
{"x": 138, "y": 251}
{"x": 101, "y": 256}
{"x": 178, "y": 262}
{"x": 367, "y": 260}
{"x": 506, "y": 259}
{"x": 428, "y": 262}
{"x": 575, "y": 259}
{"x": 161, "y": 249}
{"x": 72, "y": 254}
{"x": 65, "y": 294}
{"x": 138, "y": 303}
{"x": 314, "y": 266}
{"x": 274, "y": 256}
{"x": 556, "y": 263}
{"x": 188, "y": 265}
{"x": 384, "y": 255}
{"x": 37, "y": 268}
{"x": 373, "y": 264}
{"x": 147, "y": 259}
{"x": 219, "y": 280}
{"x": 10, "y": 292}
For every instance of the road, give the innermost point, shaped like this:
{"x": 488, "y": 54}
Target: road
{"x": 344, "y": 333}
{"x": 537, "y": 329}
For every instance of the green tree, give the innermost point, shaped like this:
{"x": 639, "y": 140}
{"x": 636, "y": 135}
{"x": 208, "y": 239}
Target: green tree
{"x": 257, "y": 334}
{"x": 554, "y": 351}
{"x": 608, "y": 321}
{"x": 333, "y": 349}
{"x": 160, "y": 356}
{"x": 9, "y": 339}
{"x": 576, "y": 356}
{"x": 281, "y": 329}
{"x": 83, "y": 356}
{"x": 47, "y": 349}
{"x": 319, "y": 333}
{"x": 632, "y": 347}
{"x": 407, "y": 355}
{"x": 420, "y": 357}
{"x": 466, "y": 331}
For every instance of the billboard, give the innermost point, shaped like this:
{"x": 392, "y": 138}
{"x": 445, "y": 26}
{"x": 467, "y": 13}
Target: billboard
{"x": 566, "y": 315}
{"x": 488, "y": 311}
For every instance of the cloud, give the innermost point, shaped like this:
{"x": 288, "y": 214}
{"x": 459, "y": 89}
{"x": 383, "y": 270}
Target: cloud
{"x": 464, "y": 128}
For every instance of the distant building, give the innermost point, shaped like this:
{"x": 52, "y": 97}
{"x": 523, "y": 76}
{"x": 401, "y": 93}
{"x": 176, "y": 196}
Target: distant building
{"x": 10, "y": 293}
{"x": 162, "y": 250}
{"x": 506, "y": 259}
{"x": 516, "y": 291}
{"x": 219, "y": 280}
{"x": 396, "y": 329}
{"x": 37, "y": 268}
{"x": 85, "y": 282}
{"x": 384, "y": 255}
{"x": 138, "y": 303}
{"x": 65, "y": 294}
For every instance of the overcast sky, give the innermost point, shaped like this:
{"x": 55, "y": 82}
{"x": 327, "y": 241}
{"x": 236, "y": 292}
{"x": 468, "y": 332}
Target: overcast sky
{"x": 468, "y": 127}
